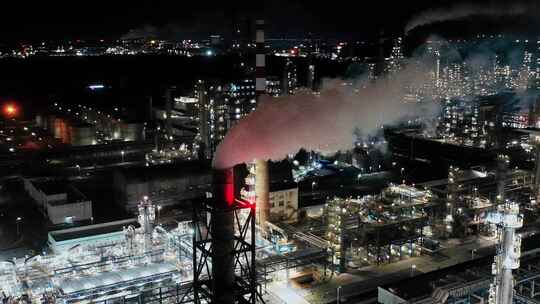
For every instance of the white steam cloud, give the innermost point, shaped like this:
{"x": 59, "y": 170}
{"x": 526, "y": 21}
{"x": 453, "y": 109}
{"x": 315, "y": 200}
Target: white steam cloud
{"x": 325, "y": 122}
{"x": 467, "y": 10}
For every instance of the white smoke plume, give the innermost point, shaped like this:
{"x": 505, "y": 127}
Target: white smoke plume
{"x": 466, "y": 10}
{"x": 325, "y": 122}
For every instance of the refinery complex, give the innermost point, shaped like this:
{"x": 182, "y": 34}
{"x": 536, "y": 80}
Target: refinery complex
{"x": 238, "y": 167}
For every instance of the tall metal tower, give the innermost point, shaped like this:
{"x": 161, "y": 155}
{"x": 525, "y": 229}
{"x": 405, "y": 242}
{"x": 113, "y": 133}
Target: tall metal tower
{"x": 146, "y": 218}
{"x": 507, "y": 219}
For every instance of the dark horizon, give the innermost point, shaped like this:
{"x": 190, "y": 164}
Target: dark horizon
{"x": 176, "y": 21}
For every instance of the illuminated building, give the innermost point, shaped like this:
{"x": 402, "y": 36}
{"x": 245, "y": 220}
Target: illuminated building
{"x": 310, "y": 82}
{"x": 273, "y": 86}
{"x": 242, "y": 98}
{"x": 290, "y": 79}
{"x": 283, "y": 201}
{"x": 395, "y": 62}
{"x": 214, "y": 114}
{"x": 525, "y": 74}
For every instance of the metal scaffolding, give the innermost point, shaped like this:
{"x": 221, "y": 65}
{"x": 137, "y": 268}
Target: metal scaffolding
{"x": 224, "y": 253}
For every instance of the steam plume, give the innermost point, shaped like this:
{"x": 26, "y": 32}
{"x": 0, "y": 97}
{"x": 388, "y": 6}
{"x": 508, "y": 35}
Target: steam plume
{"x": 281, "y": 126}
{"x": 463, "y": 11}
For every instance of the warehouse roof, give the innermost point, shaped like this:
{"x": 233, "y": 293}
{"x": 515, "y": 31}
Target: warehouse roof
{"x": 109, "y": 279}
{"x": 91, "y": 230}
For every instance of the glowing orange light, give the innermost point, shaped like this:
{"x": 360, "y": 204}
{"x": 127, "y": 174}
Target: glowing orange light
{"x": 10, "y": 110}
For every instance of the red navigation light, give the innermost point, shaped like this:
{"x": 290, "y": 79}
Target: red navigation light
{"x": 229, "y": 194}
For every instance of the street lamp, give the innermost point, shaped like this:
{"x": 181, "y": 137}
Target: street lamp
{"x": 413, "y": 267}
{"x": 313, "y": 184}
{"x": 359, "y": 177}
{"x": 19, "y": 220}
{"x": 158, "y": 213}
{"x": 338, "y": 295}
{"x": 122, "y": 153}
{"x": 78, "y": 168}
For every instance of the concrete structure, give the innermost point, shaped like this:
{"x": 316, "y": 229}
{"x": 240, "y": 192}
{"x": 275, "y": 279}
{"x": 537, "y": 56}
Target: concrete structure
{"x": 60, "y": 202}
{"x": 283, "y": 201}
{"x": 262, "y": 192}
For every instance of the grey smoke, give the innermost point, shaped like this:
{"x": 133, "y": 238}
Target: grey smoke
{"x": 467, "y": 10}
{"x": 325, "y": 122}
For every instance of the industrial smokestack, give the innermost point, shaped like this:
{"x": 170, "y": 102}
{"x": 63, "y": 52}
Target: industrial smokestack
{"x": 260, "y": 59}
{"x": 222, "y": 226}
{"x": 262, "y": 192}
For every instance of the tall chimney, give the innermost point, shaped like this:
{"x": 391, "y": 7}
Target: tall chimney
{"x": 262, "y": 192}
{"x": 260, "y": 59}
{"x": 222, "y": 227}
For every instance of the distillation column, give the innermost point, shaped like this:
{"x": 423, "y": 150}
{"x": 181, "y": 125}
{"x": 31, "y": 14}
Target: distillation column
{"x": 508, "y": 219}
{"x": 146, "y": 218}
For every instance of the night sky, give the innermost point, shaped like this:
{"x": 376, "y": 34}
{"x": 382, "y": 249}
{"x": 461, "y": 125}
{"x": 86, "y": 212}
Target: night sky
{"x": 59, "y": 20}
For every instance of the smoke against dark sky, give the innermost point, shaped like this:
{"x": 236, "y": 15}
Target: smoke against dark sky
{"x": 325, "y": 122}
{"x": 466, "y": 10}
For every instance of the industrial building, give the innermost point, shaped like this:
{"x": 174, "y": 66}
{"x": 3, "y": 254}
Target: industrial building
{"x": 416, "y": 211}
{"x": 141, "y": 264}
{"x": 59, "y": 201}
{"x": 283, "y": 200}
